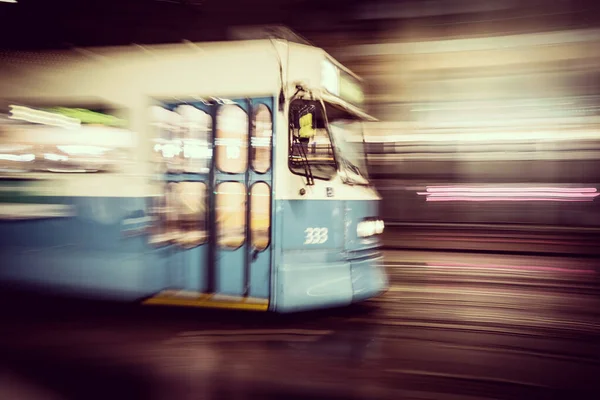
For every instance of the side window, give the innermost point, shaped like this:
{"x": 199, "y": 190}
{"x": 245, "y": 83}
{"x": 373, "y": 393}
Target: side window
{"x": 158, "y": 212}
{"x": 310, "y": 142}
{"x": 231, "y": 214}
{"x": 262, "y": 136}
{"x": 260, "y": 215}
{"x": 172, "y": 208}
{"x": 191, "y": 213}
{"x": 179, "y": 215}
{"x": 167, "y": 147}
{"x": 78, "y": 138}
{"x": 196, "y": 130}
{"x": 232, "y": 139}
{"x": 165, "y": 228}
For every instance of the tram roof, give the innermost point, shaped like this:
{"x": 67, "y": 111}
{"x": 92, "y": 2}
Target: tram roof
{"x": 184, "y": 70}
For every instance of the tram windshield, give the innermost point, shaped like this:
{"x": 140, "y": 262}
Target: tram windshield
{"x": 327, "y": 141}
{"x": 311, "y": 150}
{"x": 348, "y": 138}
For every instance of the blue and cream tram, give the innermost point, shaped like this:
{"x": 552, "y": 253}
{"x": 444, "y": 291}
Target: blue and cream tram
{"x": 226, "y": 175}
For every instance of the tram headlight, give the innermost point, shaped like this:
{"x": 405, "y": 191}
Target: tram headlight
{"x": 369, "y": 228}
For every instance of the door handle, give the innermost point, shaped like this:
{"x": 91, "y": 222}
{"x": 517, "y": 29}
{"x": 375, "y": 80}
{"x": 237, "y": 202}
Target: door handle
{"x": 254, "y": 255}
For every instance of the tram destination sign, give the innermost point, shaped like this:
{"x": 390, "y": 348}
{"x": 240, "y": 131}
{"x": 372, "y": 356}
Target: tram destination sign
{"x": 342, "y": 84}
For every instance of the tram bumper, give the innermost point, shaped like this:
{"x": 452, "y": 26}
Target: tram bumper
{"x": 303, "y": 286}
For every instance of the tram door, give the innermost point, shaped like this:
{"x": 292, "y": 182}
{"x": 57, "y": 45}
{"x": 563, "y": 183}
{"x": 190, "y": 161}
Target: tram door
{"x": 217, "y": 179}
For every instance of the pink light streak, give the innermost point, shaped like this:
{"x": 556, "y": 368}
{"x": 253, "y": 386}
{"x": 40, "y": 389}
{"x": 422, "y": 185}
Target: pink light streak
{"x": 513, "y": 199}
{"x": 433, "y": 189}
{"x": 512, "y": 194}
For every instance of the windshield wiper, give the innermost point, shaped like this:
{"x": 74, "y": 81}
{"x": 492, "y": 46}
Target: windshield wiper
{"x": 307, "y": 169}
{"x": 352, "y": 167}
{"x": 349, "y": 166}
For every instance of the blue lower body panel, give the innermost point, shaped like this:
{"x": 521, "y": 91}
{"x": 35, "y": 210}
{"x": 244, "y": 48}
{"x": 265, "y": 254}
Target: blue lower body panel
{"x": 100, "y": 275}
{"x": 368, "y": 278}
{"x": 89, "y": 253}
{"x": 309, "y": 286}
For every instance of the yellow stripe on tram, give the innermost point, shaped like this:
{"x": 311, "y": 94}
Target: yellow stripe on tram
{"x": 203, "y": 300}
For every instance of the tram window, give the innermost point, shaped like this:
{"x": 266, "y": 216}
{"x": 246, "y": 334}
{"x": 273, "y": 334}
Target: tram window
{"x": 172, "y": 220}
{"x": 158, "y": 212}
{"x": 196, "y": 128}
{"x": 180, "y": 215}
{"x": 260, "y": 215}
{"x": 167, "y": 146}
{"x": 262, "y": 135}
{"x": 231, "y": 214}
{"x": 310, "y": 142}
{"x": 191, "y": 213}
{"x": 165, "y": 229}
{"x": 232, "y": 139}
{"x": 66, "y": 138}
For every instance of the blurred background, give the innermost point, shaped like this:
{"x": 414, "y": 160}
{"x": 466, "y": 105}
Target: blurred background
{"x": 487, "y": 156}
{"x": 495, "y": 99}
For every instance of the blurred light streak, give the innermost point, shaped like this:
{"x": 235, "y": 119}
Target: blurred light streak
{"x": 515, "y": 267}
{"x": 433, "y": 189}
{"x": 503, "y": 240}
{"x": 460, "y": 193}
{"x": 385, "y": 133}
{"x": 43, "y": 117}
{"x": 17, "y": 157}
{"x": 55, "y": 157}
{"x": 244, "y": 332}
{"x": 83, "y": 150}
{"x": 476, "y": 44}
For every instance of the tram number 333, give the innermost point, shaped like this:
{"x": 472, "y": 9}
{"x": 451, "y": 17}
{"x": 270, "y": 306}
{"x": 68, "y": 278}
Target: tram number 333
{"x": 315, "y": 235}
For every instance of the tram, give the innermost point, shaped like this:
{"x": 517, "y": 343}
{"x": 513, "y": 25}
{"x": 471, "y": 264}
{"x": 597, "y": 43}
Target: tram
{"x": 225, "y": 175}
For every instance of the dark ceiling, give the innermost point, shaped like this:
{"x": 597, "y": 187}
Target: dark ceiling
{"x": 65, "y": 23}
{"x": 68, "y": 23}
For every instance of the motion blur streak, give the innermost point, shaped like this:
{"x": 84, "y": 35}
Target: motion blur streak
{"x": 434, "y": 189}
{"x": 513, "y": 267}
{"x": 502, "y": 199}
{"x": 486, "y": 157}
